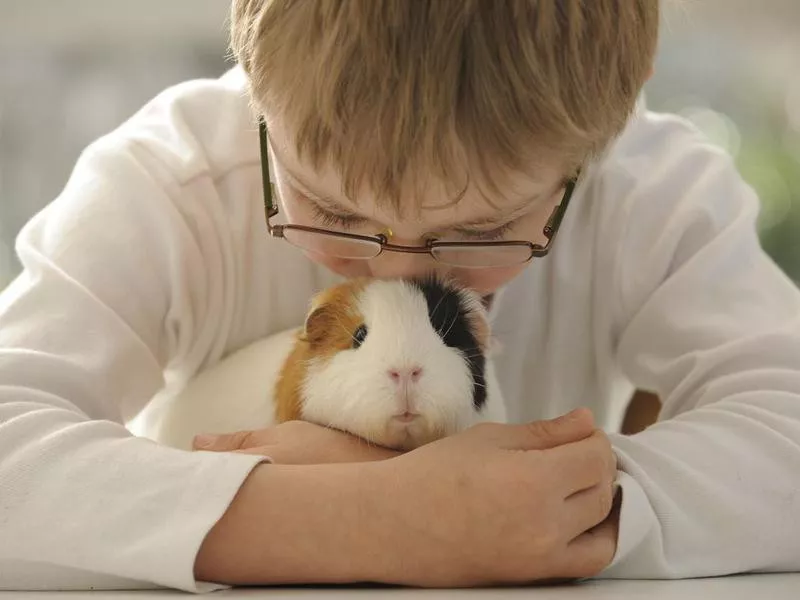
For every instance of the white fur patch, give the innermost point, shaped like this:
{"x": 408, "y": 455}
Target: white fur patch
{"x": 353, "y": 390}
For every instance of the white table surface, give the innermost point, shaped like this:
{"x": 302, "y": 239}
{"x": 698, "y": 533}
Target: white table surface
{"x": 746, "y": 587}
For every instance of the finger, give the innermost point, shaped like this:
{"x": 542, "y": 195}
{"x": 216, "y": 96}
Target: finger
{"x": 283, "y": 455}
{"x": 592, "y": 551}
{"x": 541, "y": 435}
{"x": 582, "y": 465}
{"x": 226, "y": 442}
{"x": 265, "y": 453}
{"x": 586, "y": 556}
{"x": 587, "y": 509}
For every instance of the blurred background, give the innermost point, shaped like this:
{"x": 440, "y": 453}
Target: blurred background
{"x": 71, "y": 71}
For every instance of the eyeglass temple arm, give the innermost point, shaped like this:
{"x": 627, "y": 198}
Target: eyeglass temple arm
{"x": 554, "y": 222}
{"x": 269, "y": 207}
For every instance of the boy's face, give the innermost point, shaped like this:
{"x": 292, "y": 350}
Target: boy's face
{"x": 313, "y": 198}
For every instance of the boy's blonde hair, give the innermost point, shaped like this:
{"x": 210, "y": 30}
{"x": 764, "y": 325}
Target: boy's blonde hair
{"x": 384, "y": 90}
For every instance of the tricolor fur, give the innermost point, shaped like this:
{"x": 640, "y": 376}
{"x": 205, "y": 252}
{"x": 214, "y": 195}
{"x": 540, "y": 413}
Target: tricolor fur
{"x": 398, "y": 362}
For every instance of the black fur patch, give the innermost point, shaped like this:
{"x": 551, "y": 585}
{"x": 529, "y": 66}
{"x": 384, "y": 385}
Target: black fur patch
{"x": 448, "y": 315}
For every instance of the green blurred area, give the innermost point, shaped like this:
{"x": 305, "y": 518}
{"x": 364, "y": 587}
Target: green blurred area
{"x": 774, "y": 171}
{"x": 739, "y": 86}
{"x": 768, "y": 158}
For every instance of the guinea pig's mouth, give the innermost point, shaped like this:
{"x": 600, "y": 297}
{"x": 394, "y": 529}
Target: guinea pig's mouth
{"x": 406, "y": 417}
{"x": 408, "y": 430}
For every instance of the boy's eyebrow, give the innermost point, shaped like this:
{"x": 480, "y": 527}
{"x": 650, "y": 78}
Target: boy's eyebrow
{"x": 332, "y": 205}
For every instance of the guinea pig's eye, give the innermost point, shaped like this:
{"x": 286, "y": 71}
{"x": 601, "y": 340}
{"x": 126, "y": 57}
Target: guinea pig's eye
{"x": 359, "y": 335}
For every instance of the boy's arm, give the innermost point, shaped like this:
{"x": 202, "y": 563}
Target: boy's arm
{"x": 319, "y": 514}
{"x": 112, "y": 289}
{"x": 709, "y": 323}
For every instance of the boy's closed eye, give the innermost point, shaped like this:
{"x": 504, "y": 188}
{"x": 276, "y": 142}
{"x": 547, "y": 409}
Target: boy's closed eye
{"x": 326, "y": 212}
{"x": 347, "y": 221}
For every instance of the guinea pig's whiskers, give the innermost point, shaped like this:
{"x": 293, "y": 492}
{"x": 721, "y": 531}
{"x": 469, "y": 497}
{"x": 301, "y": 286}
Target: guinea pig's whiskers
{"x": 350, "y": 334}
{"x": 453, "y": 322}
{"x": 438, "y": 304}
{"x": 441, "y": 332}
{"x": 443, "y": 421}
{"x": 341, "y": 324}
{"x": 473, "y": 357}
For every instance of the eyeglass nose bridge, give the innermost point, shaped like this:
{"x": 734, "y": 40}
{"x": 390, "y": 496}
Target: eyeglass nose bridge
{"x": 384, "y": 237}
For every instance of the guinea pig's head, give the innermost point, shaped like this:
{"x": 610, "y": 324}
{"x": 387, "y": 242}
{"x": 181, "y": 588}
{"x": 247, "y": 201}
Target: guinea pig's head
{"x": 399, "y": 362}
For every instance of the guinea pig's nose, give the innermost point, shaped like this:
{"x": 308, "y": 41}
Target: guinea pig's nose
{"x": 406, "y": 375}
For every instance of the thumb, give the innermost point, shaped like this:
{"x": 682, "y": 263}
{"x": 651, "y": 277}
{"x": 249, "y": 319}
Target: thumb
{"x": 571, "y": 427}
{"x": 226, "y": 442}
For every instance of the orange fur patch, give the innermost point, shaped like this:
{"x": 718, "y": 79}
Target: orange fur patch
{"x": 328, "y": 329}
{"x": 480, "y": 327}
{"x": 287, "y": 389}
{"x": 478, "y": 319}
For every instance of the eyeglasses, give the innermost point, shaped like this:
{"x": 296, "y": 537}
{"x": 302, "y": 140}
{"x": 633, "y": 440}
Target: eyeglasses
{"x": 460, "y": 254}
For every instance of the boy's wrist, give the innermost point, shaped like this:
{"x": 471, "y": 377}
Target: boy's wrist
{"x": 396, "y": 525}
{"x": 374, "y": 535}
{"x": 300, "y": 524}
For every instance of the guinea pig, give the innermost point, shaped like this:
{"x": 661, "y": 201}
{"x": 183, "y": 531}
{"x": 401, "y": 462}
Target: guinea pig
{"x": 398, "y": 362}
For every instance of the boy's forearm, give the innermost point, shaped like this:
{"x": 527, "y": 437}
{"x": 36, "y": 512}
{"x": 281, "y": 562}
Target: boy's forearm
{"x": 296, "y": 524}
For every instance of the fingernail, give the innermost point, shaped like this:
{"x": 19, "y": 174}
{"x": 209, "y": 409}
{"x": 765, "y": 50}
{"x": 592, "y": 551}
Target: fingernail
{"x": 203, "y": 440}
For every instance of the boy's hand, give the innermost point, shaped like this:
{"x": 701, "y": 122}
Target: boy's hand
{"x": 496, "y": 504}
{"x": 298, "y": 443}
{"x": 500, "y": 504}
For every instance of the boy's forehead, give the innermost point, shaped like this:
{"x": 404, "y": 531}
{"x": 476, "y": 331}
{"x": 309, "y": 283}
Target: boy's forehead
{"x": 430, "y": 199}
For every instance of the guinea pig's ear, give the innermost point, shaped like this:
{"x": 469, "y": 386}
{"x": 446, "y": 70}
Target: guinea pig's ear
{"x": 319, "y": 323}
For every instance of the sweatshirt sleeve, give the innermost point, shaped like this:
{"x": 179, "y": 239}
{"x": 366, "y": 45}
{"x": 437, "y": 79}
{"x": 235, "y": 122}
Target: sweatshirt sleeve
{"x": 709, "y": 323}
{"x": 113, "y": 289}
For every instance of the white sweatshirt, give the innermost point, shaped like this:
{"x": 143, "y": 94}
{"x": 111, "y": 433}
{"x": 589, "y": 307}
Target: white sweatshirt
{"x": 154, "y": 262}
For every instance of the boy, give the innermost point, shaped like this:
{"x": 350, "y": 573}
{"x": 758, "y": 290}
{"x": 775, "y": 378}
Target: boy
{"x": 411, "y": 124}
